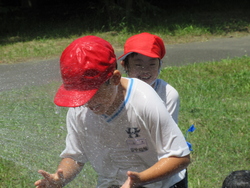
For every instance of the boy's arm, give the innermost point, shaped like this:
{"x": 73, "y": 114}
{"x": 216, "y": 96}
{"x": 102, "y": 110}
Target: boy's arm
{"x": 163, "y": 169}
{"x": 67, "y": 171}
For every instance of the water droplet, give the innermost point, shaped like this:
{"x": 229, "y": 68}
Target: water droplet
{"x": 57, "y": 109}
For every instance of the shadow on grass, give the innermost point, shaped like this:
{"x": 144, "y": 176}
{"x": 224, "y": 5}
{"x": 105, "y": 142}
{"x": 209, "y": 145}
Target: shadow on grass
{"x": 7, "y": 177}
{"x": 65, "y": 20}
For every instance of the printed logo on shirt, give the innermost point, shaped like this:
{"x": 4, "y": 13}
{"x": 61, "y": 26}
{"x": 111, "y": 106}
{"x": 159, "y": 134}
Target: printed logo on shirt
{"x": 136, "y": 144}
{"x": 133, "y": 132}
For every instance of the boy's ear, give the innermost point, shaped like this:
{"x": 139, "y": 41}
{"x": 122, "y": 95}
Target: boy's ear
{"x": 116, "y": 77}
{"x": 122, "y": 63}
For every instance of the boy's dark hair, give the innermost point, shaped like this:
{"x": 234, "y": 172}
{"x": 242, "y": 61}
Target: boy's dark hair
{"x": 237, "y": 179}
{"x": 126, "y": 59}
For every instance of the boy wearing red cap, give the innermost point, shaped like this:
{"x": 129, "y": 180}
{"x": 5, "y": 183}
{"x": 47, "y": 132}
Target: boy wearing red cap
{"x": 142, "y": 59}
{"x": 119, "y": 125}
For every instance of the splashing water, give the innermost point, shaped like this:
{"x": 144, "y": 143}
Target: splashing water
{"x": 33, "y": 131}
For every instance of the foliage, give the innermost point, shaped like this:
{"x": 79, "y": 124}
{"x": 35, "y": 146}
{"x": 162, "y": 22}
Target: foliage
{"x": 74, "y": 19}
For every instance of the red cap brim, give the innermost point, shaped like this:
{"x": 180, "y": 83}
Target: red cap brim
{"x": 149, "y": 54}
{"x": 73, "y": 98}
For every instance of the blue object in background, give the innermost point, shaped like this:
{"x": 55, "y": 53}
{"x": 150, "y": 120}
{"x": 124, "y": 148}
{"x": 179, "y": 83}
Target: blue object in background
{"x": 191, "y": 129}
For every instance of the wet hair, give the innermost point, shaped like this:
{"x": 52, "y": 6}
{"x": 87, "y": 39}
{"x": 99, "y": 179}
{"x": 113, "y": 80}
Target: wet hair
{"x": 237, "y": 179}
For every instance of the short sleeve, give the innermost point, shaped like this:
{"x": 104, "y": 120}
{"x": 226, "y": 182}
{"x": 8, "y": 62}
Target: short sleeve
{"x": 73, "y": 147}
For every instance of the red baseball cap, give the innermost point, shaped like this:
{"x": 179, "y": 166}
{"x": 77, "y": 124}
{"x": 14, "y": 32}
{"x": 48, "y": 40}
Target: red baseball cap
{"x": 85, "y": 65}
{"x": 146, "y": 44}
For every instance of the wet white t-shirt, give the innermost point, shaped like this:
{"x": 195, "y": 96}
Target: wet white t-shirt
{"x": 170, "y": 96}
{"x": 135, "y": 137}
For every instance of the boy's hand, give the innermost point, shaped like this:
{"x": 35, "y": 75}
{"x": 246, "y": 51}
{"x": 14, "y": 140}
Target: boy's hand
{"x": 50, "y": 180}
{"x": 133, "y": 180}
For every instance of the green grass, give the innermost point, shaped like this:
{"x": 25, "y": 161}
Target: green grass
{"x": 32, "y": 135}
{"x": 214, "y": 97}
{"x": 7, "y": 168}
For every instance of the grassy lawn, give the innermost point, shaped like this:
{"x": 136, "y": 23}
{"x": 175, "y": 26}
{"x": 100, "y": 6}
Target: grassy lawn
{"x": 214, "y": 97}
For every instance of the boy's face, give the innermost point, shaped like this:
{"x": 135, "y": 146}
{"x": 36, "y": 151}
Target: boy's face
{"x": 103, "y": 99}
{"x": 103, "y": 102}
{"x": 143, "y": 67}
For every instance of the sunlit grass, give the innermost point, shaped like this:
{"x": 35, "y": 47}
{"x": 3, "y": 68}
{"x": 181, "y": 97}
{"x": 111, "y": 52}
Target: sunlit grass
{"x": 215, "y": 97}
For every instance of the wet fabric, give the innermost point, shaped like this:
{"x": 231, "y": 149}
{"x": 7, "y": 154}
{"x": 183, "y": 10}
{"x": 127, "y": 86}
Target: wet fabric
{"x": 134, "y": 137}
